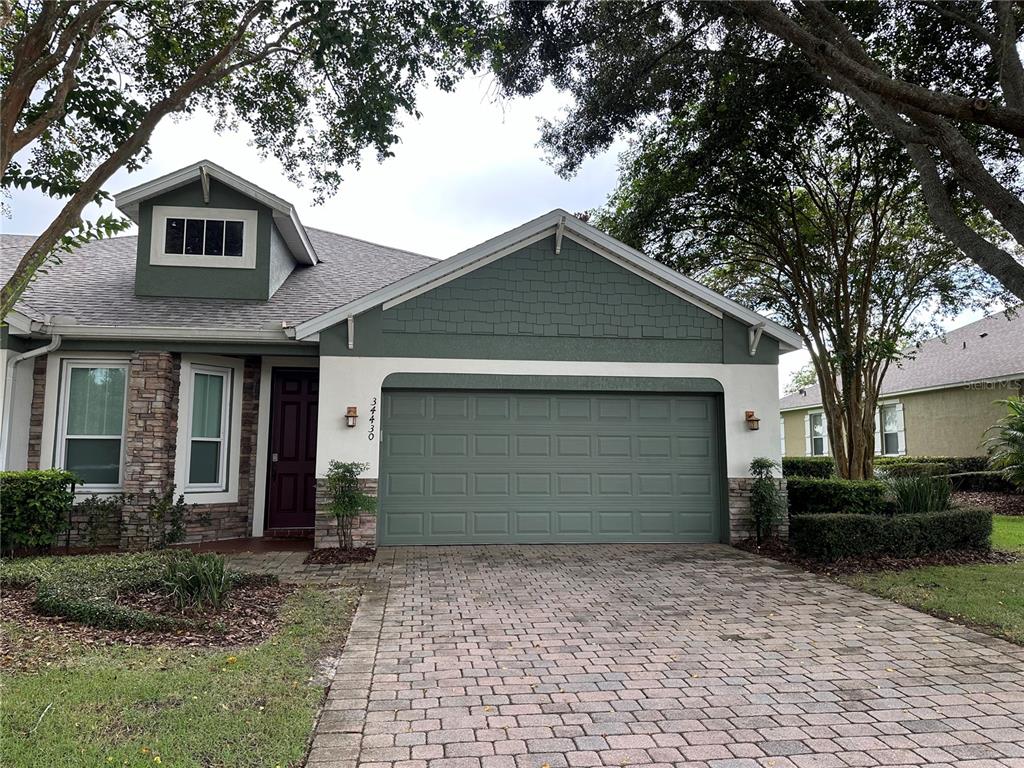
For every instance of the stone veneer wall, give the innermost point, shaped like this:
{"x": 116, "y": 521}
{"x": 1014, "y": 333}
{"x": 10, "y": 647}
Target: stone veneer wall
{"x": 364, "y": 531}
{"x": 741, "y": 527}
{"x": 35, "y": 418}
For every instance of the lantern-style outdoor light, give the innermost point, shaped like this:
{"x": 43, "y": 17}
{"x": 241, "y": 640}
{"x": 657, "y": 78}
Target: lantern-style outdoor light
{"x": 753, "y": 423}
{"x": 350, "y": 416}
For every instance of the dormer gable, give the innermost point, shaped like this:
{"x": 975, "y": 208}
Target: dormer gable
{"x": 205, "y": 232}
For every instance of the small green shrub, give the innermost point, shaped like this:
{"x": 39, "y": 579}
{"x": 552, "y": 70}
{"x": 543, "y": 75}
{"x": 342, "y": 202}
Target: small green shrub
{"x": 1007, "y": 442}
{"x": 914, "y": 469}
{"x": 347, "y": 498}
{"x": 101, "y": 519}
{"x": 766, "y": 504}
{"x": 166, "y": 518}
{"x": 832, "y": 537}
{"x": 34, "y": 507}
{"x": 817, "y": 496}
{"x": 808, "y": 466}
{"x": 916, "y": 494}
{"x": 197, "y": 581}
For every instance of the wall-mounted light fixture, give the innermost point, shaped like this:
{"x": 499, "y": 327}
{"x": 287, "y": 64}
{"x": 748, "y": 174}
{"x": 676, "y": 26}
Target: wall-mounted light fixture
{"x": 350, "y": 416}
{"x": 753, "y": 423}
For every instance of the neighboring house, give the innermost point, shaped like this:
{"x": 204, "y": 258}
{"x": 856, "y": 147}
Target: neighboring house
{"x": 937, "y": 402}
{"x": 548, "y": 385}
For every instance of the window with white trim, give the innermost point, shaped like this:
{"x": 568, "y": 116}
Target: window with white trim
{"x": 782, "y": 436}
{"x": 91, "y": 424}
{"x": 890, "y": 422}
{"x": 818, "y": 434}
{"x": 209, "y": 425}
{"x": 185, "y": 236}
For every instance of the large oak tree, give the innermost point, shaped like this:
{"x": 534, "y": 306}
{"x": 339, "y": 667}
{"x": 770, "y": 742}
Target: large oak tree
{"x": 943, "y": 80}
{"x": 85, "y": 83}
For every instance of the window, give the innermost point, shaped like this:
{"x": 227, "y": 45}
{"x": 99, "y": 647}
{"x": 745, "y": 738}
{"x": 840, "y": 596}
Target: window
{"x": 782, "y": 436}
{"x": 203, "y": 237}
{"x": 891, "y": 429}
{"x": 818, "y": 434}
{"x": 208, "y": 429}
{"x": 92, "y": 422}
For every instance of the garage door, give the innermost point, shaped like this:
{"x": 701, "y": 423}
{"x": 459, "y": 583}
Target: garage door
{"x": 463, "y": 467}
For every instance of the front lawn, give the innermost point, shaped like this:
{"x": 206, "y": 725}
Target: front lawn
{"x": 987, "y": 597}
{"x": 92, "y": 700}
{"x": 1008, "y": 533}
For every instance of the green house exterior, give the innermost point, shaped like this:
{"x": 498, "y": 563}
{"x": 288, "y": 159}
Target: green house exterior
{"x": 547, "y": 386}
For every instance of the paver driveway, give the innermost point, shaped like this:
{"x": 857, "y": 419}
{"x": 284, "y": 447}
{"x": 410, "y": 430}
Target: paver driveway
{"x": 523, "y": 657}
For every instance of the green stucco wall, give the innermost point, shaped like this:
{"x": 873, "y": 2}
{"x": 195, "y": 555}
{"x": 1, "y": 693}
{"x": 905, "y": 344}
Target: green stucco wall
{"x": 538, "y": 305}
{"x": 204, "y": 282}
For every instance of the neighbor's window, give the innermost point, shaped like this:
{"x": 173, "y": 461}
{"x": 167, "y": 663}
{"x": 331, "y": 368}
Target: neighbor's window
{"x": 203, "y": 237}
{"x": 891, "y": 419}
{"x": 92, "y": 422}
{"x": 207, "y": 460}
{"x": 818, "y": 436}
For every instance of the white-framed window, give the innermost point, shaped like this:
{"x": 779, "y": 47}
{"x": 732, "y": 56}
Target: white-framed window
{"x": 203, "y": 237}
{"x": 817, "y": 434}
{"x": 209, "y": 428}
{"x": 889, "y": 429}
{"x": 90, "y": 431}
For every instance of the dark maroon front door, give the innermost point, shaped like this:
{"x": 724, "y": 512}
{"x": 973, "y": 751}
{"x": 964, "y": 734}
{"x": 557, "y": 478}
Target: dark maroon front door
{"x": 291, "y": 496}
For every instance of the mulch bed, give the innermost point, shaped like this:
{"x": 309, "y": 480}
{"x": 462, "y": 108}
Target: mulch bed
{"x": 251, "y": 614}
{"x": 1000, "y": 503}
{"x": 338, "y": 556}
{"x": 779, "y": 550}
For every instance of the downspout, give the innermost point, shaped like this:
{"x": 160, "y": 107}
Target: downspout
{"x": 8, "y": 404}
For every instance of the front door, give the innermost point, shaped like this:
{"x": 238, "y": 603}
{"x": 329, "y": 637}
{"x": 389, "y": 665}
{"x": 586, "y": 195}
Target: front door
{"x": 291, "y": 495}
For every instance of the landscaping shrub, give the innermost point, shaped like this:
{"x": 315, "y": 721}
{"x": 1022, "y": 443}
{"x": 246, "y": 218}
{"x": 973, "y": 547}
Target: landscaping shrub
{"x": 913, "y": 469}
{"x": 832, "y": 537}
{"x": 808, "y": 466}
{"x": 954, "y": 464}
{"x": 198, "y": 581}
{"x": 1007, "y": 442}
{"x": 915, "y": 494}
{"x": 34, "y": 505}
{"x": 991, "y": 481}
{"x": 346, "y": 498}
{"x": 166, "y": 516}
{"x": 766, "y": 503}
{"x": 816, "y": 496}
{"x": 97, "y": 519}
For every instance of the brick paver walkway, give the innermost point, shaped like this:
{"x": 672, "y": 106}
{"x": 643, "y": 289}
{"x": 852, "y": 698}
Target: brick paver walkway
{"x": 525, "y": 657}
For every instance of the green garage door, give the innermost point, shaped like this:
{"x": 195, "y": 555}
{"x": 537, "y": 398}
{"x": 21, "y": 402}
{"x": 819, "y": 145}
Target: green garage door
{"x": 463, "y": 467}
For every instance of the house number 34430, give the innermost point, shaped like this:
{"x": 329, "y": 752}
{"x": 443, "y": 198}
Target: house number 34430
{"x": 372, "y": 434}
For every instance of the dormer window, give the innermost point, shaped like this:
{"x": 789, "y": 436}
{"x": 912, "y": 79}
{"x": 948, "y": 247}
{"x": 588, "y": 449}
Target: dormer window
{"x": 203, "y": 237}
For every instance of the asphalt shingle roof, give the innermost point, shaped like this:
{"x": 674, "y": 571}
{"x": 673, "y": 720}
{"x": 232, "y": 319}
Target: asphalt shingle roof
{"x": 95, "y": 285}
{"x": 990, "y": 348}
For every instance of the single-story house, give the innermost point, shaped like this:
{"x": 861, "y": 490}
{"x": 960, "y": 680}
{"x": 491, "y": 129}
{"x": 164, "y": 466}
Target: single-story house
{"x": 548, "y": 385}
{"x": 938, "y": 401}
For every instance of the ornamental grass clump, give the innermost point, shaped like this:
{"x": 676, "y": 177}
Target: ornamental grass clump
{"x": 918, "y": 494}
{"x": 197, "y": 581}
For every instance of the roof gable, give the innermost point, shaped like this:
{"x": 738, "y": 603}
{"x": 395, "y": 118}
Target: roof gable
{"x": 285, "y": 217}
{"x": 562, "y": 225}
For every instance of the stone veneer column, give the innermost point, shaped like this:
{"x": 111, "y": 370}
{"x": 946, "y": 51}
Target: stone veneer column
{"x": 35, "y": 418}
{"x": 364, "y": 532}
{"x": 151, "y": 434}
{"x": 741, "y": 527}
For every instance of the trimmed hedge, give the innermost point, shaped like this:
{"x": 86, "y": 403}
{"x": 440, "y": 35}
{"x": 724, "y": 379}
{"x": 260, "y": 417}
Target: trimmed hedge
{"x": 954, "y": 464}
{"x": 914, "y": 469}
{"x": 992, "y": 480}
{"x": 819, "y": 496}
{"x": 808, "y": 466}
{"x": 832, "y": 537}
{"x": 35, "y": 505}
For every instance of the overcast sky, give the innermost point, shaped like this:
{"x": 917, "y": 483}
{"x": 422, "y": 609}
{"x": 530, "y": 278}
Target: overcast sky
{"x": 469, "y": 169}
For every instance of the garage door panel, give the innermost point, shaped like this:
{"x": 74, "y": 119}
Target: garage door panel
{"x": 464, "y": 467}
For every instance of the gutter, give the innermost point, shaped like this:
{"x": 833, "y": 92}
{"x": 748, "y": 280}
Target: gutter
{"x": 8, "y": 404}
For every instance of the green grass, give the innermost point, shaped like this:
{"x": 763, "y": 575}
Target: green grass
{"x": 1008, "y": 533}
{"x": 127, "y": 706}
{"x": 987, "y": 597}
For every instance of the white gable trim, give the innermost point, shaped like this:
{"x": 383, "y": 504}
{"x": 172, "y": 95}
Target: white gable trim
{"x": 541, "y": 227}
{"x": 285, "y": 217}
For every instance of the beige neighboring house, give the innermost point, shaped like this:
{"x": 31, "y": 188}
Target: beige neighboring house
{"x": 939, "y": 402}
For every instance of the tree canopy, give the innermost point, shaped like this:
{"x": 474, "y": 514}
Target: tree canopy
{"x": 85, "y": 83}
{"x": 943, "y": 81}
